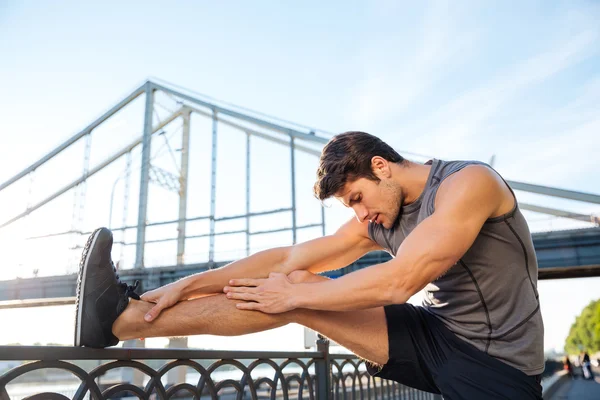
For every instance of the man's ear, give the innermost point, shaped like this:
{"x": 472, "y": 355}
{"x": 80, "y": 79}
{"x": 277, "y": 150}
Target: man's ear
{"x": 380, "y": 167}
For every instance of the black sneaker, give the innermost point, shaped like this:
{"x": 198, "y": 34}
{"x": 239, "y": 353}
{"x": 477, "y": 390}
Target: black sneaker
{"x": 101, "y": 296}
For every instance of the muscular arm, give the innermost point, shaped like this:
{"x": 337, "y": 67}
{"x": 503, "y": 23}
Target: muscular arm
{"x": 327, "y": 253}
{"x": 463, "y": 203}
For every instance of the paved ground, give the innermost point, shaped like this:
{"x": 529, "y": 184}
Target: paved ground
{"x": 579, "y": 389}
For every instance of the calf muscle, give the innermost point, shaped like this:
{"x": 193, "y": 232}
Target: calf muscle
{"x": 363, "y": 332}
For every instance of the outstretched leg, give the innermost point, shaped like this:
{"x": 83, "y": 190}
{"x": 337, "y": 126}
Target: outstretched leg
{"x": 363, "y": 332}
{"x": 104, "y": 313}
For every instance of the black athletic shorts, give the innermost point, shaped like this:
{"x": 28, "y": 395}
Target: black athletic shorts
{"x": 426, "y": 355}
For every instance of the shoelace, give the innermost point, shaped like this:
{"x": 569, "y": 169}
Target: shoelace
{"x": 129, "y": 290}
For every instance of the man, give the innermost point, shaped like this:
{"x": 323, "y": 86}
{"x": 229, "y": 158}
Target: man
{"x": 454, "y": 228}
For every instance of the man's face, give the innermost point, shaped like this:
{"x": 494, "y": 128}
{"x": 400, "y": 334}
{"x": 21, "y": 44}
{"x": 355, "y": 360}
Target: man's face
{"x": 379, "y": 202}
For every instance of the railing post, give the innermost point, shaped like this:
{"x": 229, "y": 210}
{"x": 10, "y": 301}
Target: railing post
{"x": 323, "y": 369}
{"x": 132, "y": 375}
{"x": 177, "y": 375}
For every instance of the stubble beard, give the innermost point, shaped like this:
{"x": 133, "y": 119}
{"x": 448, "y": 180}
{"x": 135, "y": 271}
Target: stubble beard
{"x": 394, "y": 204}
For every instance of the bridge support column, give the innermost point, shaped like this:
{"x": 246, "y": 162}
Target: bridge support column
{"x": 293, "y": 170}
{"x": 213, "y": 190}
{"x": 145, "y": 177}
{"x": 183, "y": 185}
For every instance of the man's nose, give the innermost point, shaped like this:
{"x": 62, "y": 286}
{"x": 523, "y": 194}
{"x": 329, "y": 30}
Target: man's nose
{"x": 361, "y": 213}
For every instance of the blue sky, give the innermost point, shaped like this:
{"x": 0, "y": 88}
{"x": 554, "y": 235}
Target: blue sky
{"x": 453, "y": 80}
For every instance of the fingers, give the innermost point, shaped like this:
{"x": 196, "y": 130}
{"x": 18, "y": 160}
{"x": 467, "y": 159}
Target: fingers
{"x": 233, "y": 289}
{"x": 148, "y": 297}
{"x": 242, "y": 293}
{"x": 242, "y": 296}
{"x": 153, "y": 313}
{"x": 246, "y": 282}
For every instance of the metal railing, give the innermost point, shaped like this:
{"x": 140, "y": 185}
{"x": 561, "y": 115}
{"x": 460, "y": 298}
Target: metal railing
{"x": 206, "y": 375}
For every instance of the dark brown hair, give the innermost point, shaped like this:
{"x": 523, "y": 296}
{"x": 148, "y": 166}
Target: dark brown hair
{"x": 346, "y": 158}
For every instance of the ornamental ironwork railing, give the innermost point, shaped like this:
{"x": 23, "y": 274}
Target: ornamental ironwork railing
{"x": 53, "y": 373}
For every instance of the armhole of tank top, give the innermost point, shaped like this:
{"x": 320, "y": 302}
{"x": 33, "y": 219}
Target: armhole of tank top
{"x": 512, "y": 212}
{"x": 499, "y": 218}
{"x": 431, "y": 205}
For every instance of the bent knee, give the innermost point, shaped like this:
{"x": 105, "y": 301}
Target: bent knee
{"x": 301, "y": 276}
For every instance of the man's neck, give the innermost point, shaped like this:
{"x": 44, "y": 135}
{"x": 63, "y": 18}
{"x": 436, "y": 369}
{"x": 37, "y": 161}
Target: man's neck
{"x": 412, "y": 178}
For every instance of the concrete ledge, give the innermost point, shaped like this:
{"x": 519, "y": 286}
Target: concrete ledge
{"x": 53, "y": 301}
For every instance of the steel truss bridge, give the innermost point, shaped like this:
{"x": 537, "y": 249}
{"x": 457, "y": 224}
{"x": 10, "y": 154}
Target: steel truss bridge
{"x": 561, "y": 254}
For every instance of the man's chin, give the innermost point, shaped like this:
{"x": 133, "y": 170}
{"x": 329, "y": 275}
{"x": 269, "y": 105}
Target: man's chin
{"x": 394, "y": 224}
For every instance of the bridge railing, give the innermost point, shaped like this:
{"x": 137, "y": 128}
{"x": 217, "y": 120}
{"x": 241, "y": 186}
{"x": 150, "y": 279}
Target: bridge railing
{"x": 149, "y": 374}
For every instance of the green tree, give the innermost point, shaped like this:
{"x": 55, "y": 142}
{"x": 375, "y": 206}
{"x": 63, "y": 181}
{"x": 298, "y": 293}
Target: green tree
{"x": 585, "y": 331}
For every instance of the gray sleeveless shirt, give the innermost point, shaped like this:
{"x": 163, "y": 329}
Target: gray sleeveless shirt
{"x": 489, "y": 298}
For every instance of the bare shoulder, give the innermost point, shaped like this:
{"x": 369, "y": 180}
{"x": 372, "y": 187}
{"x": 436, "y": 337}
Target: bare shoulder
{"x": 476, "y": 186}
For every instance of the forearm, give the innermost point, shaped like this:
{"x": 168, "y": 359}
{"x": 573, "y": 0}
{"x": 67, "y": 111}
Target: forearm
{"x": 258, "y": 265}
{"x": 366, "y": 288}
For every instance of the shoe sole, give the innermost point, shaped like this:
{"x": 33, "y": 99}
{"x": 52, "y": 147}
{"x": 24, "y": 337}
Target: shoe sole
{"x": 83, "y": 263}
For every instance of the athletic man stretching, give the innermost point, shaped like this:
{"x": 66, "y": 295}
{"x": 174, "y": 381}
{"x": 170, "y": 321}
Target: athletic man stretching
{"x": 454, "y": 228}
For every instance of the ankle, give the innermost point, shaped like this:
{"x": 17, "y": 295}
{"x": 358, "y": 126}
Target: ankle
{"x": 119, "y": 328}
{"x": 127, "y": 325}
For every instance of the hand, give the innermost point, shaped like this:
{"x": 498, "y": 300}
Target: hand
{"x": 164, "y": 297}
{"x": 272, "y": 296}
